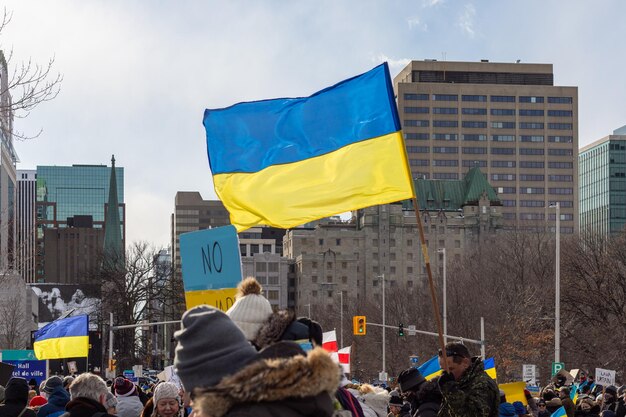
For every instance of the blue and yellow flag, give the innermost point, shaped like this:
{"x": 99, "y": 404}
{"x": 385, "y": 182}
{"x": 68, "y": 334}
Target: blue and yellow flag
{"x": 490, "y": 368}
{"x": 64, "y": 338}
{"x": 559, "y": 413}
{"x": 430, "y": 369}
{"x": 285, "y": 162}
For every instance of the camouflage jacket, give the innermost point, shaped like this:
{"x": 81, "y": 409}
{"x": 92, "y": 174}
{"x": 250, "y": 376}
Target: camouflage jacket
{"x": 474, "y": 395}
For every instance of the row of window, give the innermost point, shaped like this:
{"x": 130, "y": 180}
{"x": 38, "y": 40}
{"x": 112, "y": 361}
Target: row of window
{"x": 483, "y": 98}
{"x": 494, "y": 151}
{"x": 495, "y": 138}
{"x": 483, "y": 111}
{"x": 483, "y": 125}
{"x": 531, "y": 177}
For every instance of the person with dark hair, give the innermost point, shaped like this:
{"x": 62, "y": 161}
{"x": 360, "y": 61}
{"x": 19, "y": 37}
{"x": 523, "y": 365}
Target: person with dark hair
{"x": 410, "y": 381}
{"x": 609, "y": 399}
{"x": 542, "y": 410}
{"x": 57, "y": 396}
{"x": 429, "y": 400}
{"x": 16, "y": 399}
{"x": 467, "y": 390}
{"x": 567, "y": 402}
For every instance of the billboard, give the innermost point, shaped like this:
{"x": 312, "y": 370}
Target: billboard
{"x": 55, "y": 299}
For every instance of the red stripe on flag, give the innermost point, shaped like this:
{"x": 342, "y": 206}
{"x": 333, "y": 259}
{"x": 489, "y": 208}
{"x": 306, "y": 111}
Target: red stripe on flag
{"x": 344, "y": 358}
{"x": 330, "y": 346}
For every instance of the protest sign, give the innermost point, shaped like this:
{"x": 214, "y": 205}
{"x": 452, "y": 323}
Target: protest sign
{"x": 605, "y": 377}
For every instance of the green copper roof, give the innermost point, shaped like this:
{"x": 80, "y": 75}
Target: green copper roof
{"x": 453, "y": 194}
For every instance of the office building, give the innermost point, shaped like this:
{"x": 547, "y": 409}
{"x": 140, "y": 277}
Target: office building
{"x": 25, "y": 224}
{"x": 602, "y": 168}
{"x": 68, "y": 193}
{"x": 8, "y": 159}
{"x": 510, "y": 119}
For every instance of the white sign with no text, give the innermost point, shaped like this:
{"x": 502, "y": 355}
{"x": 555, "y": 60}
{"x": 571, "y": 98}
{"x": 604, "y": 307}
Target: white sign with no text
{"x": 605, "y": 377}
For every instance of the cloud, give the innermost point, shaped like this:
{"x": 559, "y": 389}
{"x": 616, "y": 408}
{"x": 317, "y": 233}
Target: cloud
{"x": 431, "y": 3}
{"x": 395, "y": 65}
{"x": 466, "y": 20}
{"x": 414, "y": 22}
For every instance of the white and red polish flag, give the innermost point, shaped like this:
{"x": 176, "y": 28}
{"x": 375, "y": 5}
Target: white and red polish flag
{"x": 344, "y": 358}
{"x": 329, "y": 341}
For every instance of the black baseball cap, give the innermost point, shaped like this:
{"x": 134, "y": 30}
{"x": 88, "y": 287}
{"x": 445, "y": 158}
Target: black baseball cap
{"x": 456, "y": 349}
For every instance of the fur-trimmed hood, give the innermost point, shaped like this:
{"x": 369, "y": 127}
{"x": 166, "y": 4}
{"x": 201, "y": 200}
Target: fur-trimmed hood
{"x": 274, "y": 328}
{"x": 270, "y": 380}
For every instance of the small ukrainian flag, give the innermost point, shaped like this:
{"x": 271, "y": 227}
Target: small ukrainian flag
{"x": 64, "y": 338}
{"x": 559, "y": 413}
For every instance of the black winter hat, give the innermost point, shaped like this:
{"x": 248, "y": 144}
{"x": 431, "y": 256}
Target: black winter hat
{"x": 17, "y": 390}
{"x": 410, "y": 379}
{"x": 210, "y": 347}
{"x": 611, "y": 389}
{"x": 51, "y": 383}
{"x": 396, "y": 400}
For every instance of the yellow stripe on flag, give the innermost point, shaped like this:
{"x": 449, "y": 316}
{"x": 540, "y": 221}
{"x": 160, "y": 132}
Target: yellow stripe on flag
{"x": 514, "y": 392}
{"x": 62, "y": 347}
{"x": 222, "y": 299}
{"x": 362, "y": 174}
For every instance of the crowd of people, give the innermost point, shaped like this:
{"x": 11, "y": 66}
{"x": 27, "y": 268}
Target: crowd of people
{"x": 255, "y": 362}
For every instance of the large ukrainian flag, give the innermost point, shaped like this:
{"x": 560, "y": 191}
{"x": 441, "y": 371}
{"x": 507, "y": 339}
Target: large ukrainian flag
{"x": 64, "y": 338}
{"x": 285, "y": 162}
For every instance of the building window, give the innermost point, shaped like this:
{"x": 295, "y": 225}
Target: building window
{"x": 508, "y": 203}
{"x": 419, "y": 162}
{"x": 531, "y": 164}
{"x": 525, "y": 125}
{"x": 503, "y": 112}
{"x": 445, "y": 136}
{"x": 329, "y": 265}
{"x": 416, "y": 136}
{"x": 503, "y": 177}
{"x": 560, "y": 113}
{"x": 503, "y": 99}
{"x": 272, "y": 267}
{"x": 531, "y": 138}
{"x": 409, "y": 242}
{"x": 418, "y": 149}
{"x": 560, "y": 152}
{"x": 445, "y": 123}
{"x": 416, "y": 110}
{"x": 344, "y": 280}
{"x": 560, "y": 165}
{"x": 560, "y": 100}
{"x": 267, "y": 248}
{"x": 560, "y": 191}
{"x": 474, "y": 150}
{"x": 314, "y": 279}
{"x": 408, "y": 96}
{"x": 508, "y": 216}
{"x": 532, "y": 203}
{"x": 503, "y": 164}
{"x": 530, "y": 99}
{"x": 474, "y": 125}
{"x": 475, "y": 138}
{"x": 314, "y": 265}
{"x": 344, "y": 265}
{"x": 531, "y": 190}
{"x": 531, "y": 216}
{"x": 503, "y": 125}
{"x": 416, "y": 123}
{"x": 531, "y": 151}
{"x": 530, "y": 112}
{"x": 503, "y": 151}
{"x": 445, "y": 176}
{"x": 445, "y": 110}
{"x": 560, "y": 126}
{"x": 445, "y": 163}
{"x": 474, "y": 98}
{"x": 507, "y": 190}
{"x": 503, "y": 138}
{"x": 562, "y": 178}
{"x": 472, "y": 111}
{"x": 445, "y": 97}
{"x": 531, "y": 177}
{"x": 472, "y": 162}
{"x": 560, "y": 139}
{"x": 445, "y": 149}
{"x": 338, "y": 242}
{"x": 314, "y": 294}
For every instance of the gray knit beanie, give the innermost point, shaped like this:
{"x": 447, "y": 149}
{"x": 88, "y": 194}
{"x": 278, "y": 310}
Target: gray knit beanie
{"x": 251, "y": 310}
{"x": 210, "y": 347}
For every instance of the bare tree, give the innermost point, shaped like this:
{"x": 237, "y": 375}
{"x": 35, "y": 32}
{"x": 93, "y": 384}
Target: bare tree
{"x": 14, "y": 328}
{"x": 27, "y": 85}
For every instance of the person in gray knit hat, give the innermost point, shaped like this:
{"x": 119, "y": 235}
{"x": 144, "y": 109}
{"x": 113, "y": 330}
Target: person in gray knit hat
{"x": 226, "y": 377}
{"x": 166, "y": 400}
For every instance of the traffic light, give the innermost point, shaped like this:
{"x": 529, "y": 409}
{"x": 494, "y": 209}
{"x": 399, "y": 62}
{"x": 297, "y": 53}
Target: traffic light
{"x": 359, "y": 325}
{"x": 401, "y": 330}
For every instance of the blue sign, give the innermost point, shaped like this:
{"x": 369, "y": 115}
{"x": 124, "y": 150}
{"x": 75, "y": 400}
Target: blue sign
{"x": 29, "y": 369}
{"x": 414, "y": 359}
{"x": 210, "y": 259}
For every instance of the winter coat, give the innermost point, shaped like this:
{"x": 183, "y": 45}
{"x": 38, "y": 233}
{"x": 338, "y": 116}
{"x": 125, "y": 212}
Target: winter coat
{"x": 130, "y": 406}
{"x": 349, "y": 402}
{"x": 620, "y": 411}
{"x": 474, "y": 395}
{"x": 16, "y": 399}
{"x": 85, "y": 407}
{"x": 281, "y": 325}
{"x": 56, "y": 403}
{"x": 294, "y": 386}
{"x": 507, "y": 410}
{"x": 429, "y": 409}
{"x": 377, "y": 402}
{"x": 569, "y": 406}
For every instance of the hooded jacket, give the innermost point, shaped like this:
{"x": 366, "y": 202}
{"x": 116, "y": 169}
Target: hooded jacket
{"x": 281, "y": 325}
{"x": 56, "y": 403}
{"x": 294, "y": 386}
{"x": 16, "y": 399}
{"x": 474, "y": 395}
{"x": 130, "y": 406}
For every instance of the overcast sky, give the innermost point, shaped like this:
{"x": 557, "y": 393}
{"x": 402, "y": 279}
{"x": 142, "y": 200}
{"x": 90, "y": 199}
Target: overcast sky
{"x": 139, "y": 74}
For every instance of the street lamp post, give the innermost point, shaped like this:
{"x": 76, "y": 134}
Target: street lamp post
{"x": 557, "y": 292}
{"x": 445, "y": 298}
{"x": 384, "y": 364}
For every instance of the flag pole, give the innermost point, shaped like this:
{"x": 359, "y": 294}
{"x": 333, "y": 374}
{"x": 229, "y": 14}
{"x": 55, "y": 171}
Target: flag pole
{"x": 431, "y": 283}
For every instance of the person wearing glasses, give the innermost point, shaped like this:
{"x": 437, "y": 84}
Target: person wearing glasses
{"x": 467, "y": 390}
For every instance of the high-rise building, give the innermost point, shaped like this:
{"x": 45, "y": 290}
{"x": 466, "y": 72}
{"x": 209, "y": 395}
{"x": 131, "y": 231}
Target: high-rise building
{"x": 8, "y": 159}
{"x": 25, "y": 221}
{"x": 65, "y": 193}
{"x": 509, "y": 119}
{"x": 602, "y": 168}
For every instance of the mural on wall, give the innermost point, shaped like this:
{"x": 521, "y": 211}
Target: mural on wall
{"x": 55, "y": 299}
